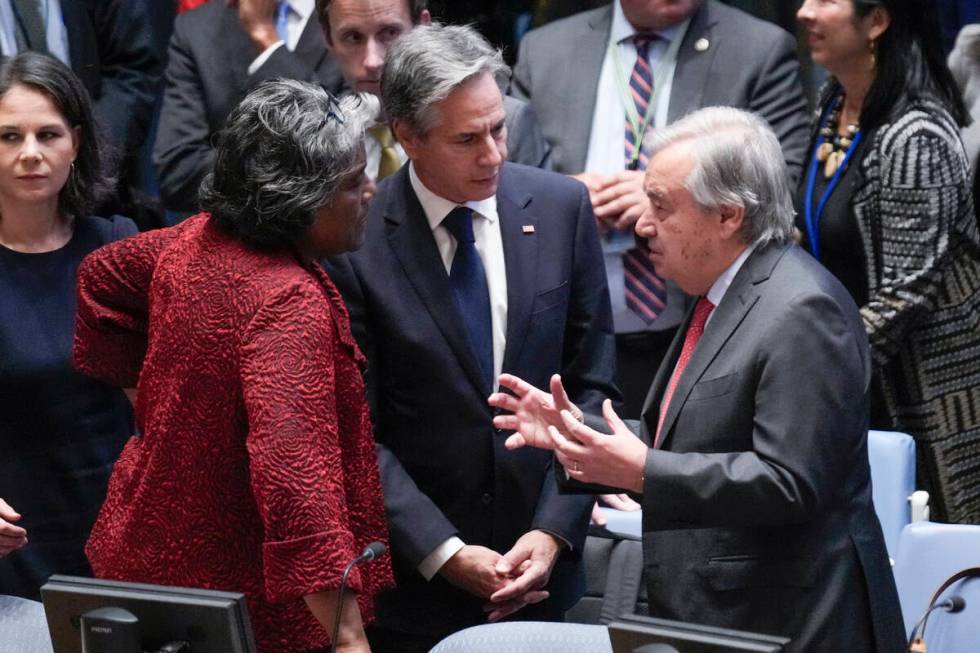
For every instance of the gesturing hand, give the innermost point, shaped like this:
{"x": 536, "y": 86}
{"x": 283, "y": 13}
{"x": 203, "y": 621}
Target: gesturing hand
{"x": 532, "y": 411}
{"x": 615, "y": 460}
{"x": 11, "y": 537}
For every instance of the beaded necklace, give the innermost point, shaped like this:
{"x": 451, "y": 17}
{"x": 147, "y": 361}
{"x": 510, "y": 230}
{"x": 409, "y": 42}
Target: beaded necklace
{"x": 833, "y": 150}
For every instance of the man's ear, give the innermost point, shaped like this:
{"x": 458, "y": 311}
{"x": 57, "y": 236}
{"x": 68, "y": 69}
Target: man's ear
{"x": 732, "y": 219}
{"x": 406, "y": 137}
{"x": 425, "y": 18}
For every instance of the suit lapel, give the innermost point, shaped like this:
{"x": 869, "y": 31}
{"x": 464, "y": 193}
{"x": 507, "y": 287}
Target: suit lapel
{"x": 312, "y": 45}
{"x": 521, "y": 259}
{"x": 591, "y": 48}
{"x": 725, "y": 320}
{"x": 693, "y": 70}
{"x": 412, "y": 242}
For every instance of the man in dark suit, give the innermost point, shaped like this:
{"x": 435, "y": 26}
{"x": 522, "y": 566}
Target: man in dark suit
{"x": 695, "y": 53}
{"x": 751, "y": 462}
{"x": 218, "y": 53}
{"x": 471, "y": 265}
{"x": 359, "y": 34}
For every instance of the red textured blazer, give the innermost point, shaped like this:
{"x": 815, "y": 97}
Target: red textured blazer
{"x": 256, "y": 469}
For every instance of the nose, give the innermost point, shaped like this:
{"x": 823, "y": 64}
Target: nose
{"x": 490, "y": 152}
{"x": 646, "y": 225}
{"x": 805, "y": 12}
{"x": 374, "y": 55}
{"x": 31, "y": 150}
{"x": 368, "y": 187}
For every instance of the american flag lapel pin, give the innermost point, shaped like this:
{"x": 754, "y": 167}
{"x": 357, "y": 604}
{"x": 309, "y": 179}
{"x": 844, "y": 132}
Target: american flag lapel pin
{"x": 527, "y": 229}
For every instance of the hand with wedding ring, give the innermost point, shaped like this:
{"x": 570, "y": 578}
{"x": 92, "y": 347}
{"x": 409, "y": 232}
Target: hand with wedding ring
{"x": 615, "y": 460}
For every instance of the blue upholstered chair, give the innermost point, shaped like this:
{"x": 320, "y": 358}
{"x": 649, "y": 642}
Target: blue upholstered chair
{"x": 928, "y": 554}
{"x": 527, "y": 637}
{"x": 622, "y": 523}
{"x": 23, "y": 626}
{"x": 892, "y": 459}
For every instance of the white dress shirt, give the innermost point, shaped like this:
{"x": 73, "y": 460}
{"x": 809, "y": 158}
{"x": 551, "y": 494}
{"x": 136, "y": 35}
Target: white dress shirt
{"x": 296, "y": 19}
{"x": 490, "y": 246}
{"x": 54, "y": 22}
{"x": 606, "y": 152}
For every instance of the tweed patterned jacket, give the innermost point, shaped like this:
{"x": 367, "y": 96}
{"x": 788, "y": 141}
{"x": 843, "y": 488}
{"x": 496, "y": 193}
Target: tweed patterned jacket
{"x": 916, "y": 217}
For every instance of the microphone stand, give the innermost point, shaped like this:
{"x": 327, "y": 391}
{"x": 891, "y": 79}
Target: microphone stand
{"x": 370, "y": 552}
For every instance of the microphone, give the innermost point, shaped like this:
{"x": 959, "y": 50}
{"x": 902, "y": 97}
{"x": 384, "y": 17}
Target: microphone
{"x": 370, "y": 552}
{"x": 951, "y": 605}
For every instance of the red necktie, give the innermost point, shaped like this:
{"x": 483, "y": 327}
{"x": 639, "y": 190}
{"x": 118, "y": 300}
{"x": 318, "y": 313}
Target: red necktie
{"x": 694, "y": 331}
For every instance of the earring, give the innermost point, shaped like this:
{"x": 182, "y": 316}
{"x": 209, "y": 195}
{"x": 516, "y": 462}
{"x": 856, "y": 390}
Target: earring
{"x": 873, "y": 50}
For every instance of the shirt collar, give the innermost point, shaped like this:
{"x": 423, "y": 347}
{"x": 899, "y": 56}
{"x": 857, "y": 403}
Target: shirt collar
{"x": 621, "y": 29}
{"x": 718, "y": 289}
{"x": 437, "y": 208}
{"x": 304, "y": 8}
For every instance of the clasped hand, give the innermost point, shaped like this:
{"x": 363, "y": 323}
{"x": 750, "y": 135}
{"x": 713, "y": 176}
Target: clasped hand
{"x": 11, "y": 537}
{"x": 507, "y": 582}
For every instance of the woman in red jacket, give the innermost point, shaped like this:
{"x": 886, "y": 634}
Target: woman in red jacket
{"x": 255, "y": 471}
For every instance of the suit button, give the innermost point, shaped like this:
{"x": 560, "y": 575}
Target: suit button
{"x": 486, "y": 499}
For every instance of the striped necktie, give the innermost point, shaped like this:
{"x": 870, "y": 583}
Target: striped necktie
{"x": 646, "y": 294}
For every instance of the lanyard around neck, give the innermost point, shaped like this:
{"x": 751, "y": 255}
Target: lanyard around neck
{"x": 813, "y": 216}
{"x": 623, "y": 75}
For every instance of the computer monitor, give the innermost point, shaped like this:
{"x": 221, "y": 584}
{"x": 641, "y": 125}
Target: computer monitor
{"x": 640, "y": 634}
{"x": 210, "y": 621}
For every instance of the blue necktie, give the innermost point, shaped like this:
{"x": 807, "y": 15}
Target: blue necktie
{"x": 469, "y": 283}
{"x": 282, "y": 21}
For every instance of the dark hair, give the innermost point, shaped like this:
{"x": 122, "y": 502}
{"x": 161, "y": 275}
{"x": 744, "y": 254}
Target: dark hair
{"x": 909, "y": 60}
{"x": 415, "y": 9}
{"x": 280, "y": 157}
{"x": 88, "y": 182}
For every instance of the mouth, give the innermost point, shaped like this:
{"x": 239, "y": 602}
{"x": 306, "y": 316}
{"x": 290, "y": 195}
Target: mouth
{"x": 489, "y": 179}
{"x": 32, "y": 177}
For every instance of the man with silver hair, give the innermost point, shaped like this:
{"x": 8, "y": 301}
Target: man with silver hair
{"x": 471, "y": 265}
{"x": 751, "y": 462}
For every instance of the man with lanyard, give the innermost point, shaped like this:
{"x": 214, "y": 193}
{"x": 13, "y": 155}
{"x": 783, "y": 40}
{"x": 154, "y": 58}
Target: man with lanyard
{"x": 640, "y": 65}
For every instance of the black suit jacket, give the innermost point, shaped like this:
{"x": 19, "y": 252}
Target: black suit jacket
{"x": 757, "y": 510}
{"x": 114, "y": 52}
{"x": 444, "y": 468}
{"x": 206, "y": 77}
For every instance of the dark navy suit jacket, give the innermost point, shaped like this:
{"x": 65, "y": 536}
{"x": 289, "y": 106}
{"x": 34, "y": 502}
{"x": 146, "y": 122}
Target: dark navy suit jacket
{"x": 444, "y": 467}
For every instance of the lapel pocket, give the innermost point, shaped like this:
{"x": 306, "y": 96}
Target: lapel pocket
{"x": 550, "y": 298}
{"x": 752, "y": 571}
{"x": 714, "y": 387}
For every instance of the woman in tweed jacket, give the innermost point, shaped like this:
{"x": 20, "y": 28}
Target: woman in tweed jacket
{"x": 886, "y": 205}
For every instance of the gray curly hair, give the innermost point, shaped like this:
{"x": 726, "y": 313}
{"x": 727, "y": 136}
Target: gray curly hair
{"x": 281, "y": 157}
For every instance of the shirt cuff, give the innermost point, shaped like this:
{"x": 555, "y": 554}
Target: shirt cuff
{"x": 440, "y": 556}
{"x": 561, "y": 540}
{"x": 262, "y": 58}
